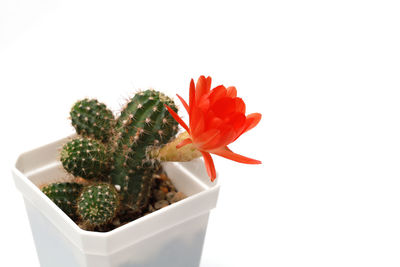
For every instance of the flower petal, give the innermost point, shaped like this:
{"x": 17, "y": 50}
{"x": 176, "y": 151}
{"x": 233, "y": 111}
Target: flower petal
{"x": 183, "y": 103}
{"x": 209, "y": 165}
{"x": 197, "y": 123}
{"x": 205, "y": 137}
{"x": 203, "y": 86}
{"x": 237, "y": 121}
{"x": 177, "y": 118}
{"x": 212, "y": 121}
{"x": 184, "y": 143}
{"x": 251, "y": 121}
{"x": 192, "y": 98}
{"x": 230, "y": 127}
{"x": 216, "y": 94}
{"x": 224, "y": 107}
{"x": 240, "y": 106}
{"x": 224, "y": 138}
{"x": 231, "y": 91}
{"x": 227, "y": 153}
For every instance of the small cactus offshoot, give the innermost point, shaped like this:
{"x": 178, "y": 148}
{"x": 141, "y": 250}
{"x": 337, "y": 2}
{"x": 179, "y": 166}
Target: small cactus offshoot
{"x": 86, "y": 158}
{"x": 92, "y": 119}
{"x": 64, "y": 195}
{"x": 98, "y": 204}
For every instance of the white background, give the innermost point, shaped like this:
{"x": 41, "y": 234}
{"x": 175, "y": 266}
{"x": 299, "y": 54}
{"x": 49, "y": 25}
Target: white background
{"x": 324, "y": 74}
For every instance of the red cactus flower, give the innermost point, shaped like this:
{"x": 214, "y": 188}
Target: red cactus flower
{"x": 216, "y": 119}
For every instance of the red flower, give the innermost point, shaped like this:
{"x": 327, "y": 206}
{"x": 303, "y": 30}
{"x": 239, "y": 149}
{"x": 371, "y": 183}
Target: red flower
{"x": 216, "y": 119}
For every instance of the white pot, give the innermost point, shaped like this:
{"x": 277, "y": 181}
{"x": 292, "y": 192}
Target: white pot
{"x": 172, "y": 236}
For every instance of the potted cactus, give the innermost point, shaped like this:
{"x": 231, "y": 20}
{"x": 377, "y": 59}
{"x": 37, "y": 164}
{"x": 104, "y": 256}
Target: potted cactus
{"x": 128, "y": 191}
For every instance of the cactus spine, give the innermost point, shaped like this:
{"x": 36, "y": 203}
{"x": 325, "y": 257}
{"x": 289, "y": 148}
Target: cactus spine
{"x": 98, "y": 204}
{"x": 92, "y": 119}
{"x": 144, "y": 122}
{"x": 64, "y": 195}
{"x": 85, "y": 158}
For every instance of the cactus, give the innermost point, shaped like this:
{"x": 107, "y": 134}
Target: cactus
{"x": 86, "y": 158}
{"x": 64, "y": 195}
{"x": 135, "y": 189}
{"x": 98, "y": 204}
{"x": 92, "y": 119}
{"x": 144, "y": 122}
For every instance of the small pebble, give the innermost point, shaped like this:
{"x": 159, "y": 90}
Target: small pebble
{"x": 158, "y": 195}
{"x": 116, "y": 222}
{"x": 170, "y": 196}
{"x": 178, "y": 196}
{"x": 163, "y": 176}
{"x": 151, "y": 208}
{"x": 164, "y": 189}
{"x": 161, "y": 204}
{"x": 169, "y": 184}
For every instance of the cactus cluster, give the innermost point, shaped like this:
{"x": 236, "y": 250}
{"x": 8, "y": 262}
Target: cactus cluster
{"x": 64, "y": 195}
{"x": 113, "y": 155}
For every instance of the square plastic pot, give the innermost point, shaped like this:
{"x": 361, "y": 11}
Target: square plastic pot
{"x": 172, "y": 236}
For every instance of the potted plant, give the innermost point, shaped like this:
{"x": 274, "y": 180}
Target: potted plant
{"x": 127, "y": 191}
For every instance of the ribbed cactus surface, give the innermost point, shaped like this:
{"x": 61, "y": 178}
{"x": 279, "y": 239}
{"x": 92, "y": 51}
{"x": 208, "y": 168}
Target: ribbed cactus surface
{"x": 92, "y": 119}
{"x": 64, "y": 195}
{"x": 86, "y": 158}
{"x": 143, "y": 123}
{"x": 98, "y": 204}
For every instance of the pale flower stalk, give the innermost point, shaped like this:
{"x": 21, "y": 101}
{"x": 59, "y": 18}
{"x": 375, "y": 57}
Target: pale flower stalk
{"x": 169, "y": 152}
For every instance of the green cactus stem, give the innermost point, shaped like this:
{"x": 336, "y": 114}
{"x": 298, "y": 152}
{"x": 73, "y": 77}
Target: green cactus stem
{"x": 92, "y": 119}
{"x": 64, "y": 195}
{"x": 98, "y": 204}
{"x": 136, "y": 187}
{"x": 86, "y": 158}
{"x": 143, "y": 123}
